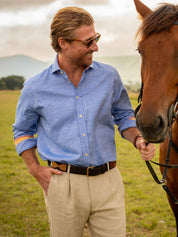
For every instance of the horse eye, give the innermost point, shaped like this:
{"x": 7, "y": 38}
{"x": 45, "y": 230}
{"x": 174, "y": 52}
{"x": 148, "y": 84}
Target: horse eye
{"x": 138, "y": 50}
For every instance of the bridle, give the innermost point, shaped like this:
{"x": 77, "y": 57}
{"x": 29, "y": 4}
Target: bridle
{"x": 172, "y": 116}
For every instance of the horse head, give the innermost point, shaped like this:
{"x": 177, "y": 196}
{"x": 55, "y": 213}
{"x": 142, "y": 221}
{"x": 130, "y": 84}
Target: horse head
{"x": 158, "y": 48}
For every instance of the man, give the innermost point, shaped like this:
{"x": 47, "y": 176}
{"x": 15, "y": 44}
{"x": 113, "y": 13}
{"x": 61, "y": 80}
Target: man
{"x": 73, "y": 106}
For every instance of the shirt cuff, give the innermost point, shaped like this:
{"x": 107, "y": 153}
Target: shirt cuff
{"x": 25, "y": 144}
{"x": 128, "y": 124}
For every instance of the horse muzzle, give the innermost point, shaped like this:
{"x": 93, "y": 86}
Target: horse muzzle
{"x": 154, "y": 127}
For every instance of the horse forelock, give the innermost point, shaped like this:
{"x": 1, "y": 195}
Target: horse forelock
{"x": 159, "y": 20}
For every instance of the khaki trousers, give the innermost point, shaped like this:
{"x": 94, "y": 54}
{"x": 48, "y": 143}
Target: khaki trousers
{"x": 74, "y": 200}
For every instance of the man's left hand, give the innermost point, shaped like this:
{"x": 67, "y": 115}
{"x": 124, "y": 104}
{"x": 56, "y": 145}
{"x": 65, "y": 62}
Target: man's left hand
{"x": 147, "y": 151}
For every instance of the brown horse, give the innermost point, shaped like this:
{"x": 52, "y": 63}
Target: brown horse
{"x": 158, "y": 47}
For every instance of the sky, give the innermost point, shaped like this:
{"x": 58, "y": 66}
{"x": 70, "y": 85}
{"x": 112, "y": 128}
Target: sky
{"x": 25, "y": 25}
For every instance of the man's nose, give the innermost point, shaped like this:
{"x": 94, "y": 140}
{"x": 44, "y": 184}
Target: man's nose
{"x": 94, "y": 46}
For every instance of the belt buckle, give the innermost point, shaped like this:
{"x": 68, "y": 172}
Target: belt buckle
{"x": 88, "y": 168}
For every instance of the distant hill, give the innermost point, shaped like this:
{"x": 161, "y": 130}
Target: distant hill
{"x": 127, "y": 66}
{"x": 21, "y": 65}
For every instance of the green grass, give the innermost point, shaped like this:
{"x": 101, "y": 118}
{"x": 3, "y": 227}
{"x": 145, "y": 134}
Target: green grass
{"x": 22, "y": 208}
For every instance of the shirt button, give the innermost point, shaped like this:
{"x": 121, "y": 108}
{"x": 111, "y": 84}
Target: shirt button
{"x": 68, "y": 82}
{"x": 80, "y": 116}
{"x": 62, "y": 72}
{"x": 77, "y": 97}
{"x": 86, "y": 154}
{"x": 83, "y": 134}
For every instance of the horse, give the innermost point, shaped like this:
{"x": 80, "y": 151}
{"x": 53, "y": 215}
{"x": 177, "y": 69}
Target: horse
{"x": 156, "y": 116}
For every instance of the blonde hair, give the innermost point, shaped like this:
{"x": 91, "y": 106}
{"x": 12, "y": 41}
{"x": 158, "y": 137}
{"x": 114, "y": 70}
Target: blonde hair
{"x": 65, "y": 22}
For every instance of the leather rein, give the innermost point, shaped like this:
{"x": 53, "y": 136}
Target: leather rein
{"x": 172, "y": 116}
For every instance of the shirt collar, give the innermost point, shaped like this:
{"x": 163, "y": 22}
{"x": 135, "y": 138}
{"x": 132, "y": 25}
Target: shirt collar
{"x": 55, "y": 66}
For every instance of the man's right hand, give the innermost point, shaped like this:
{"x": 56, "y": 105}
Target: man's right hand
{"x": 43, "y": 175}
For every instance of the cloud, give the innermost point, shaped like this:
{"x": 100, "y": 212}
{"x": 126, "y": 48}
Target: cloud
{"x": 20, "y": 4}
{"x": 25, "y": 25}
{"x": 116, "y": 38}
{"x": 92, "y": 2}
{"x": 33, "y": 41}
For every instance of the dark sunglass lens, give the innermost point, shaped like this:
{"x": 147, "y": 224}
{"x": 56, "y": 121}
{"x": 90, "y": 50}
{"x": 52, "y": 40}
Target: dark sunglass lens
{"x": 97, "y": 38}
{"x": 90, "y": 43}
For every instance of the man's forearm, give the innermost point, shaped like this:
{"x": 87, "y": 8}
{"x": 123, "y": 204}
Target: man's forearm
{"x": 131, "y": 134}
{"x": 30, "y": 159}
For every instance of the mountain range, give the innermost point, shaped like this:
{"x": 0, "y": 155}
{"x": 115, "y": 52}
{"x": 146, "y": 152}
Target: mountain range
{"x": 20, "y": 65}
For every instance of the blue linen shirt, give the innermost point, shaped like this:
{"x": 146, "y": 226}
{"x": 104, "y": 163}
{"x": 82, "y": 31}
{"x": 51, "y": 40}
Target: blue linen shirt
{"x": 73, "y": 125}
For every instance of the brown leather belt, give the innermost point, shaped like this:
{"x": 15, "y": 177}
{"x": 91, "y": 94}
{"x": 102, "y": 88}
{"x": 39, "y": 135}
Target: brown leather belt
{"x": 89, "y": 171}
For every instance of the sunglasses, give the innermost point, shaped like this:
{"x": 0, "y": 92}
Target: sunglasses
{"x": 89, "y": 42}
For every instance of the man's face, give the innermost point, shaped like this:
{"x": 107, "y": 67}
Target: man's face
{"x": 78, "y": 52}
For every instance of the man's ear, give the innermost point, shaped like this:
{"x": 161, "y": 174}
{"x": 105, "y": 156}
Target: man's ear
{"x": 61, "y": 42}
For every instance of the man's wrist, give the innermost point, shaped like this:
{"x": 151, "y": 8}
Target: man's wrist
{"x": 136, "y": 138}
{"x": 34, "y": 169}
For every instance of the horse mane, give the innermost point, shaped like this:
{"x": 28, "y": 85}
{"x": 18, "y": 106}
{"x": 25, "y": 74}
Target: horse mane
{"x": 159, "y": 20}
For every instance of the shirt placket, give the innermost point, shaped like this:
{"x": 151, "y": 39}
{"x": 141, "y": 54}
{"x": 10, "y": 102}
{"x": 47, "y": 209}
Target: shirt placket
{"x": 82, "y": 125}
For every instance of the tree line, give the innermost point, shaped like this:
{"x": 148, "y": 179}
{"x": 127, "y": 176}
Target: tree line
{"x": 11, "y": 82}
{"x": 14, "y": 82}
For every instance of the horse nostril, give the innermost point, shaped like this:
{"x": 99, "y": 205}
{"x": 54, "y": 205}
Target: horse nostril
{"x": 152, "y": 122}
{"x": 152, "y": 127}
{"x": 162, "y": 122}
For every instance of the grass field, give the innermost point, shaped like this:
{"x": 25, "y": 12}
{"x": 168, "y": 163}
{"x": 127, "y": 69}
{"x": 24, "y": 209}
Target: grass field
{"x": 22, "y": 208}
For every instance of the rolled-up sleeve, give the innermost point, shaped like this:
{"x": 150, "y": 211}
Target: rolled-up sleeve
{"x": 122, "y": 111}
{"x": 25, "y": 126}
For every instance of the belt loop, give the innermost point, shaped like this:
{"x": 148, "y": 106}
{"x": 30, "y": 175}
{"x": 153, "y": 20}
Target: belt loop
{"x": 68, "y": 169}
{"x": 108, "y": 166}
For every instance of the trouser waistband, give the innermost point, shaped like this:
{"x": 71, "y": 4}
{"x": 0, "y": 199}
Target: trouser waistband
{"x": 89, "y": 171}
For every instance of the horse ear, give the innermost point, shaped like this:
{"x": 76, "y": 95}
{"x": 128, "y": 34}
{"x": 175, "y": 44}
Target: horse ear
{"x": 142, "y": 9}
